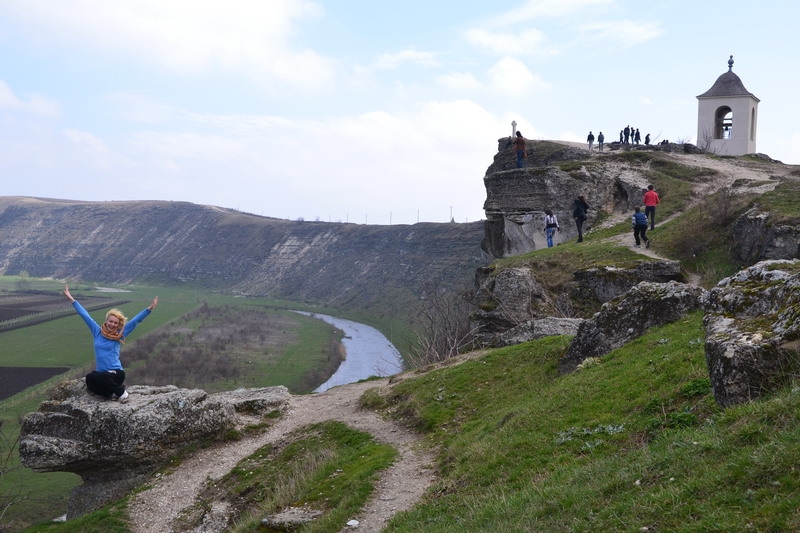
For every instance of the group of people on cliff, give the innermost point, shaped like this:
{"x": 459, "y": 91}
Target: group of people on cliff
{"x": 580, "y": 207}
{"x": 627, "y": 135}
{"x": 580, "y": 213}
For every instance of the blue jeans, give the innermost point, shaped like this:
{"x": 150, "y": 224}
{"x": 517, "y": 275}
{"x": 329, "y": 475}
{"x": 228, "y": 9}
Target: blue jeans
{"x": 519, "y": 158}
{"x": 548, "y": 233}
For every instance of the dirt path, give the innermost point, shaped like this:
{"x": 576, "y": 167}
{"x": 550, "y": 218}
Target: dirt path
{"x": 399, "y": 487}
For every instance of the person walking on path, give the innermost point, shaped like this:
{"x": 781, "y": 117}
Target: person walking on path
{"x": 600, "y": 139}
{"x": 590, "y": 140}
{"x": 651, "y": 200}
{"x": 519, "y": 146}
{"x": 639, "y": 222}
{"x": 627, "y": 131}
{"x": 550, "y": 226}
{"x": 108, "y": 377}
{"x": 637, "y": 136}
{"x": 579, "y": 213}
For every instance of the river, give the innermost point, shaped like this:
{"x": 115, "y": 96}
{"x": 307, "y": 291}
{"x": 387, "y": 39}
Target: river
{"x": 368, "y": 353}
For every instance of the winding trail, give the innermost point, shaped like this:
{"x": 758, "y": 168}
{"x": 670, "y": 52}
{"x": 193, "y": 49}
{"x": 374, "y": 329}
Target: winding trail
{"x": 399, "y": 488}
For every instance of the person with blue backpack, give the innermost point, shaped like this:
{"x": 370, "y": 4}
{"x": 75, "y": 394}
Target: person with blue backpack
{"x": 639, "y": 221}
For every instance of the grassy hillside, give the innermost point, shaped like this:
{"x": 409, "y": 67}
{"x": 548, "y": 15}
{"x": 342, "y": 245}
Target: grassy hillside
{"x": 633, "y": 442}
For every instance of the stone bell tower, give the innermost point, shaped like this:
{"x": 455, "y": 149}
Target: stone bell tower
{"x": 727, "y": 116}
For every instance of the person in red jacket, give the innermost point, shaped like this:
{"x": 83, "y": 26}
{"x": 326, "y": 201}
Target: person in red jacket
{"x": 651, "y": 200}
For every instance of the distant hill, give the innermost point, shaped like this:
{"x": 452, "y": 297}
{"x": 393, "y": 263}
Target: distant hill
{"x": 360, "y": 267}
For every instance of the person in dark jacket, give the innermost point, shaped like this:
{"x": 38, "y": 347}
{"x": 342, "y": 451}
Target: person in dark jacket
{"x": 639, "y": 223}
{"x": 579, "y": 212}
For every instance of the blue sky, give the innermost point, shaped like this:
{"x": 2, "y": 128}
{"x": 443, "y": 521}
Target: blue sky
{"x": 359, "y": 111}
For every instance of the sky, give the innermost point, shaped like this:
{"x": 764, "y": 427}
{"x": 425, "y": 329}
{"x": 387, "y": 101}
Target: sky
{"x": 358, "y": 111}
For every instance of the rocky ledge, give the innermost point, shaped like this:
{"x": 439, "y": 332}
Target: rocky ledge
{"x": 114, "y": 446}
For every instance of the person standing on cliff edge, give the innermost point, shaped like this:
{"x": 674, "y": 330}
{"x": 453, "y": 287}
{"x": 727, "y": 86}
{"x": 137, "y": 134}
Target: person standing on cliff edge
{"x": 108, "y": 377}
{"x": 519, "y": 146}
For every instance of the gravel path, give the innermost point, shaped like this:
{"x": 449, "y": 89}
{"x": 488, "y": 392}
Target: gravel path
{"x": 400, "y": 486}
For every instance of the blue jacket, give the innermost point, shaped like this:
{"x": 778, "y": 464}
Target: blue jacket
{"x": 106, "y": 351}
{"x": 639, "y": 219}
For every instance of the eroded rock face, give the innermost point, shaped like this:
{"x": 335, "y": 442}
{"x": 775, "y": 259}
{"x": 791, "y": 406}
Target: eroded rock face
{"x": 113, "y": 446}
{"x": 513, "y": 306}
{"x": 606, "y": 283}
{"x": 627, "y": 317}
{"x": 752, "y": 323}
{"x": 757, "y": 238}
{"x": 504, "y": 301}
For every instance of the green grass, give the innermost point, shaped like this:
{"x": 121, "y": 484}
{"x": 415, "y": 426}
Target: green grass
{"x": 110, "y": 519}
{"x": 782, "y": 202}
{"x": 635, "y": 441}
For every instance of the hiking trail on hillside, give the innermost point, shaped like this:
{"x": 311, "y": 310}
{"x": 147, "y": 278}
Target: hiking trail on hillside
{"x": 400, "y": 486}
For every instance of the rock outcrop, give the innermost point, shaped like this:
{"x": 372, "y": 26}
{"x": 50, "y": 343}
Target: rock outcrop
{"x": 606, "y": 283}
{"x": 627, "y": 317}
{"x": 553, "y": 177}
{"x": 752, "y": 323}
{"x": 513, "y": 307}
{"x": 756, "y": 237}
{"x": 115, "y": 446}
{"x": 504, "y": 299}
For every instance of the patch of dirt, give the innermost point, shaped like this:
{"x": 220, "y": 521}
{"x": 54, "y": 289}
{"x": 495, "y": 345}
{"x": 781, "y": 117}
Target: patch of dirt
{"x": 398, "y": 489}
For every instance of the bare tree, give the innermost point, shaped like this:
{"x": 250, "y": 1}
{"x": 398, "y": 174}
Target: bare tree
{"x": 444, "y": 329}
{"x": 704, "y": 143}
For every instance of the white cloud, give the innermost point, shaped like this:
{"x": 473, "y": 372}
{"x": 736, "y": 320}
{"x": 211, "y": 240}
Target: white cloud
{"x": 251, "y": 37}
{"x": 540, "y": 9}
{"x": 412, "y": 163}
{"x": 528, "y": 42}
{"x": 391, "y": 61}
{"x": 35, "y": 104}
{"x": 511, "y": 77}
{"x": 620, "y": 34}
{"x": 458, "y": 81}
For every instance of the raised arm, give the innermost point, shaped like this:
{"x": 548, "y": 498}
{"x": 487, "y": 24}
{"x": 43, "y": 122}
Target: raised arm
{"x": 67, "y": 294}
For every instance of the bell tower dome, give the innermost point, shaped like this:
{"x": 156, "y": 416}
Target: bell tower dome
{"x": 727, "y": 116}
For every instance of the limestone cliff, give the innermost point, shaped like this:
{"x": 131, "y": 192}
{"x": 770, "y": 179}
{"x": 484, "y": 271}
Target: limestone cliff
{"x": 553, "y": 176}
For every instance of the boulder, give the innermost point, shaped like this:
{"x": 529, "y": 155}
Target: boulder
{"x": 114, "y": 446}
{"x": 628, "y": 316}
{"x": 752, "y": 323}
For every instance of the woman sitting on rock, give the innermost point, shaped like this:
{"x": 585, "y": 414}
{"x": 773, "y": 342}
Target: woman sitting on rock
{"x": 108, "y": 377}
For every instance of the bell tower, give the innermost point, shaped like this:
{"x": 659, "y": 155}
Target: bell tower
{"x": 727, "y": 116}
